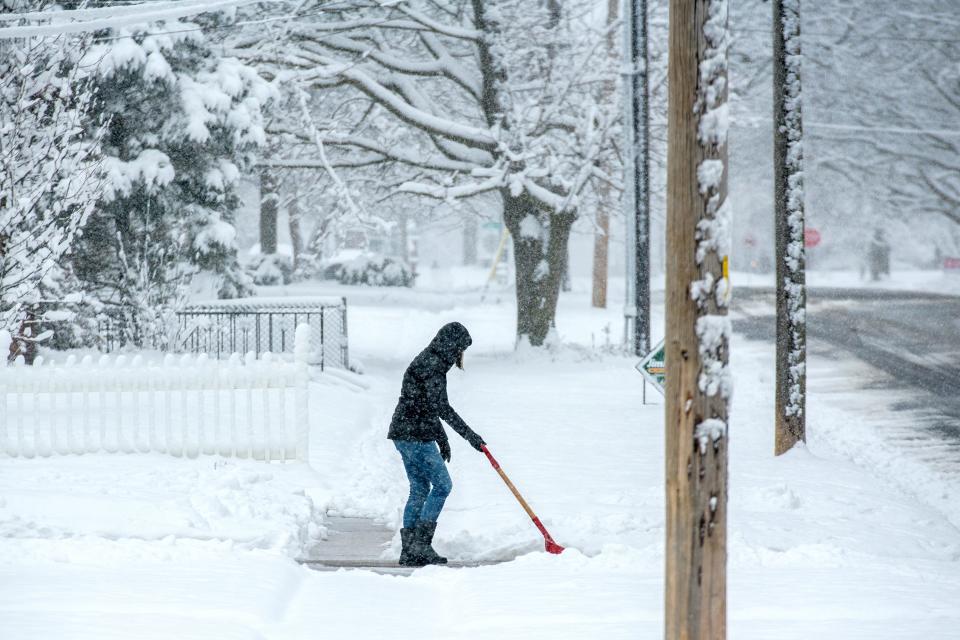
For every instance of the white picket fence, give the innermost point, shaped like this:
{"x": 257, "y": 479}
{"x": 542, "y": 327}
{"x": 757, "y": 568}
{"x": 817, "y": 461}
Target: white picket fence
{"x": 183, "y": 406}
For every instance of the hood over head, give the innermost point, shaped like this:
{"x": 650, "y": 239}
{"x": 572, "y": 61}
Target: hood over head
{"x": 450, "y": 341}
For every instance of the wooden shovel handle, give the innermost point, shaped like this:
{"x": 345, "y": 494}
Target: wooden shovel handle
{"x": 516, "y": 494}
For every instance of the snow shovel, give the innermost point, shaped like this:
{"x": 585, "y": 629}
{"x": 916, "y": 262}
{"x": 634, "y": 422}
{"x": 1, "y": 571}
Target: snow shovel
{"x": 551, "y": 546}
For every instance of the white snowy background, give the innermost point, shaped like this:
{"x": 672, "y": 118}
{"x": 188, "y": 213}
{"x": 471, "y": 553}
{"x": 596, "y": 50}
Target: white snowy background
{"x": 851, "y": 536}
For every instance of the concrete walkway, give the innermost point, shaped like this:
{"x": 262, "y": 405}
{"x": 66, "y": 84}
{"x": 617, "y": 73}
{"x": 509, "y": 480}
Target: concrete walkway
{"x": 360, "y": 543}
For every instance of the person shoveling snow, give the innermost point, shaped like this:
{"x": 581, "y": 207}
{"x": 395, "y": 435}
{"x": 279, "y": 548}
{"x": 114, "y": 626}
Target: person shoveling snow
{"x": 419, "y": 437}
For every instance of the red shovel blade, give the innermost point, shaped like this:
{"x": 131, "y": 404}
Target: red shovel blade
{"x": 548, "y": 542}
{"x": 553, "y": 547}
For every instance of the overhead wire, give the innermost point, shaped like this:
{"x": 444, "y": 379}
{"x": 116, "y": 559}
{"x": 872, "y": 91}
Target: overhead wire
{"x": 320, "y": 9}
{"x": 942, "y": 130}
{"x": 840, "y": 36}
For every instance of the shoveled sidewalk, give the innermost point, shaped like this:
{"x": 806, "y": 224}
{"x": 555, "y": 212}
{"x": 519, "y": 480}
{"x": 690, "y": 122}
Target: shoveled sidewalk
{"x": 360, "y": 543}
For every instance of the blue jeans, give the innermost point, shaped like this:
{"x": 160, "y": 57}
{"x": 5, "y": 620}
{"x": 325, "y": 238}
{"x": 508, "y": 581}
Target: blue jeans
{"x": 430, "y": 483}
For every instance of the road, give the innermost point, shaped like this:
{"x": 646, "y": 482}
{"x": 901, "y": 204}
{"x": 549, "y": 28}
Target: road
{"x": 913, "y": 337}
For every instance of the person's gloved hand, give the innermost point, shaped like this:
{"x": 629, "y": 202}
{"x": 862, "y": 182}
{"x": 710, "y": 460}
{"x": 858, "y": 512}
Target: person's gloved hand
{"x": 445, "y": 449}
{"x": 475, "y": 440}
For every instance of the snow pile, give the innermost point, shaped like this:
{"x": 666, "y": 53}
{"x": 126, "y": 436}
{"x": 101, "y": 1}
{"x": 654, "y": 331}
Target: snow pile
{"x": 57, "y": 508}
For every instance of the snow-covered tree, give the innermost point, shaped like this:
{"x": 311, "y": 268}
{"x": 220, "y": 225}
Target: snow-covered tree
{"x": 881, "y": 99}
{"x": 49, "y": 170}
{"x": 461, "y": 98}
{"x": 182, "y": 123}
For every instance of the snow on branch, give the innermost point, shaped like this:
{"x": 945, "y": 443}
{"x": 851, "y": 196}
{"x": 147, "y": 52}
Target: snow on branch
{"x": 458, "y": 132}
{"x": 455, "y": 192}
{"x": 111, "y": 17}
{"x": 436, "y": 67}
{"x": 409, "y": 158}
{"x": 437, "y": 27}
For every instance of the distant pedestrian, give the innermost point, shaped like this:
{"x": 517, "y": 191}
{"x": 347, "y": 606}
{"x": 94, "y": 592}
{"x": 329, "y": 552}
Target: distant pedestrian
{"x": 878, "y": 255}
{"x": 422, "y": 442}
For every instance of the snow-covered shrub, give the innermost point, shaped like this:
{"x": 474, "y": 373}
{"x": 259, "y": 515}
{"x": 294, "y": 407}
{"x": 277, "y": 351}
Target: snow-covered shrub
{"x": 371, "y": 269}
{"x": 309, "y": 267}
{"x": 71, "y": 319}
{"x": 273, "y": 269}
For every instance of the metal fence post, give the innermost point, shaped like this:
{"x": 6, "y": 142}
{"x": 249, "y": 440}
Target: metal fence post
{"x": 346, "y": 343}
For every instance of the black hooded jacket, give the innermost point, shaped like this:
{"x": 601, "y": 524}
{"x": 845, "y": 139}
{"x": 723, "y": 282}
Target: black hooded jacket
{"x": 423, "y": 397}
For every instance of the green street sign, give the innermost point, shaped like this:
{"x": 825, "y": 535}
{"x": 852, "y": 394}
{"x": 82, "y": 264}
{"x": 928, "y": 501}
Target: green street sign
{"x": 653, "y": 368}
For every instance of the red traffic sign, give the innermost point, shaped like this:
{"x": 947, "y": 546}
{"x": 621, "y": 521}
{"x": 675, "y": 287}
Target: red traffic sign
{"x": 951, "y": 264}
{"x": 811, "y": 237}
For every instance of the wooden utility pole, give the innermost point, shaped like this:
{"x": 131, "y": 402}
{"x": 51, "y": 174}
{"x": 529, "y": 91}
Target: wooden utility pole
{"x": 637, "y": 176}
{"x": 601, "y": 235}
{"x": 697, "y": 327}
{"x": 789, "y": 228}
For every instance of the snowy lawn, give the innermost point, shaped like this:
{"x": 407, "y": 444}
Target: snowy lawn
{"x": 155, "y": 547}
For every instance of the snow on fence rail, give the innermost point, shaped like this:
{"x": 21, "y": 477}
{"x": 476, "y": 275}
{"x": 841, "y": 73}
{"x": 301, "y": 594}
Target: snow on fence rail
{"x": 184, "y": 406}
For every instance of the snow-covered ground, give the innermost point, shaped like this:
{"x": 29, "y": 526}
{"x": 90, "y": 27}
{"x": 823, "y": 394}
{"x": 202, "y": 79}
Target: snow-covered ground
{"x": 831, "y": 541}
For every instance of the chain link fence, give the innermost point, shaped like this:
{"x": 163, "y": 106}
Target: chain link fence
{"x": 265, "y": 325}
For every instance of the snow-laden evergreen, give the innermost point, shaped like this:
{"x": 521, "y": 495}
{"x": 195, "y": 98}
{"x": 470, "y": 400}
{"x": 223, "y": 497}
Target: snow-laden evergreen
{"x": 182, "y": 123}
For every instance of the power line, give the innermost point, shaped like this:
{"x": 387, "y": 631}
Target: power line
{"x": 878, "y": 128}
{"x": 236, "y": 25}
{"x": 62, "y": 22}
{"x": 839, "y": 36}
{"x": 227, "y": 27}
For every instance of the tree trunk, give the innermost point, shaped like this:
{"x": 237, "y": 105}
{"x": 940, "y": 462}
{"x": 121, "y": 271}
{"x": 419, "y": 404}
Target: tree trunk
{"x": 470, "y": 230}
{"x": 698, "y": 330}
{"x": 788, "y": 184}
{"x": 601, "y": 237}
{"x": 296, "y": 234}
{"x": 601, "y": 248}
{"x": 268, "y": 213}
{"x": 539, "y": 252}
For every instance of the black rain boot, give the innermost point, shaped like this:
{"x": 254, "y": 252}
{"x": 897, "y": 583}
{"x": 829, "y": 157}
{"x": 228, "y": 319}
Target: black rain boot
{"x": 410, "y": 555}
{"x": 423, "y": 535}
